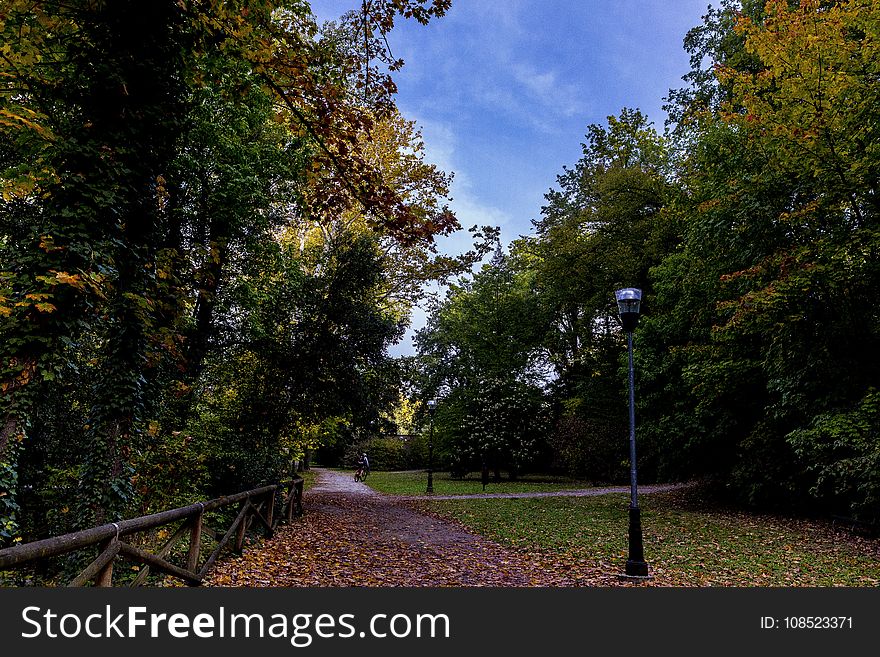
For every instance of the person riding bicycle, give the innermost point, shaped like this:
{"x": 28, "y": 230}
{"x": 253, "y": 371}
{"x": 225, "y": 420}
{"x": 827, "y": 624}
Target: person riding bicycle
{"x": 363, "y": 467}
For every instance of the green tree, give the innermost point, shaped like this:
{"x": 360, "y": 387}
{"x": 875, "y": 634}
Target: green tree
{"x": 604, "y": 226}
{"x": 758, "y": 315}
{"x": 482, "y": 348}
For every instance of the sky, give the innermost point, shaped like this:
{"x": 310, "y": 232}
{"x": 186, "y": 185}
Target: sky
{"x": 503, "y": 91}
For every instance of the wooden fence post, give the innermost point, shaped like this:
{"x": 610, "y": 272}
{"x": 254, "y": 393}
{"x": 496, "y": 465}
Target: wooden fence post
{"x": 97, "y": 566}
{"x": 270, "y": 507}
{"x": 195, "y": 541}
{"x": 105, "y": 575}
{"x": 243, "y": 525}
{"x": 289, "y": 507}
{"x": 298, "y": 485}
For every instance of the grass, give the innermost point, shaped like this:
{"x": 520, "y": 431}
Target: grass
{"x": 309, "y": 477}
{"x": 414, "y": 483}
{"x": 687, "y": 542}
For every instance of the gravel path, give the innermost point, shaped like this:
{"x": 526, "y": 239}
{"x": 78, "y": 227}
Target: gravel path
{"x": 575, "y": 492}
{"x": 330, "y": 481}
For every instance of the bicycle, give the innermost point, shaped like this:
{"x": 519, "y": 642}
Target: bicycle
{"x": 361, "y": 474}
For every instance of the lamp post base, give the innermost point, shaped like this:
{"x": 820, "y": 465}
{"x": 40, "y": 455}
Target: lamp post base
{"x": 430, "y": 488}
{"x": 637, "y": 569}
{"x": 635, "y": 564}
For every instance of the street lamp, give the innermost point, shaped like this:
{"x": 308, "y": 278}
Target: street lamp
{"x": 628, "y": 302}
{"x": 432, "y": 406}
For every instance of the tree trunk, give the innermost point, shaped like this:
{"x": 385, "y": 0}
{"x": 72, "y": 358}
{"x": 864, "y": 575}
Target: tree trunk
{"x": 10, "y": 429}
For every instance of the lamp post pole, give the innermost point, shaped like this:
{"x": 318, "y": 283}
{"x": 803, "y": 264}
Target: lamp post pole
{"x": 628, "y": 301}
{"x": 432, "y": 405}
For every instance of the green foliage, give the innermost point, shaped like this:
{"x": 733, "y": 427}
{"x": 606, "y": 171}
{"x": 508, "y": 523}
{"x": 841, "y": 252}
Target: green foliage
{"x": 504, "y": 426}
{"x": 194, "y": 259}
{"x": 588, "y": 442}
{"x": 9, "y": 505}
{"x": 170, "y": 473}
{"x": 762, "y": 342}
{"x": 842, "y": 450}
{"x": 483, "y": 344}
{"x": 486, "y": 327}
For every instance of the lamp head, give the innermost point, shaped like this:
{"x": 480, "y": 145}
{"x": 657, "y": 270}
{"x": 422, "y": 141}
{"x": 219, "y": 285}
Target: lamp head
{"x": 629, "y": 300}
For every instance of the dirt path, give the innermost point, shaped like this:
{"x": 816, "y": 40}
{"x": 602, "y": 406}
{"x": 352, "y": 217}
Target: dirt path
{"x": 351, "y": 535}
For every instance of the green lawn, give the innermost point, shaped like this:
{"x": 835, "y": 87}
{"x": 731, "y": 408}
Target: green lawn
{"x": 415, "y": 482}
{"x": 687, "y": 542}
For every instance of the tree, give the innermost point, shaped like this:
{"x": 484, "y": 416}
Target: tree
{"x": 482, "y": 346}
{"x": 395, "y": 148}
{"x": 112, "y": 111}
{"x": 777, "y": 262}
{"x": 603, "y": 228}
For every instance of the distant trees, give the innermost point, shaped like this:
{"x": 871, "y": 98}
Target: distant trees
{"x": 537, "y": 330}
{"x": 482, "y": 347}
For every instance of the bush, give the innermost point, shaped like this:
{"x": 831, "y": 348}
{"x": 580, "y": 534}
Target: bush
{"x": 594, "y": 448}
{"x": 417, "y": 451}
{"x": 842, "y": 453}
{"x": 385, "y": 453}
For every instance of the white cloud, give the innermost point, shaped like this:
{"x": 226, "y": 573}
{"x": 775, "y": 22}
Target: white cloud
{"x": 505, "y": 16}
{"x": 441, "y": 149}
{"x": 544, "y": 88}
{"x": 439, "y": 138}
{"x": 490, "y": 63}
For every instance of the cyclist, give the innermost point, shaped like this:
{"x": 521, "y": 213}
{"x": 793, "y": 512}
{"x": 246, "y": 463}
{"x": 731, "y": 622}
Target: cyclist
{"x": 363, "y": 468}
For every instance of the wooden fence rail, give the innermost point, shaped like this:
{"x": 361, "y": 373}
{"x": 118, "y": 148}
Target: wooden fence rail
{"x": 256, "y": 505}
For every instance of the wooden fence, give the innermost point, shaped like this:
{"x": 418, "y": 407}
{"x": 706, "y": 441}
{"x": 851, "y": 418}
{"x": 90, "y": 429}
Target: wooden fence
{"x": 257, "y": 505}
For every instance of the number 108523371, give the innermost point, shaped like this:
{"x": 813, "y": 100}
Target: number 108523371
{"x": 807, "y": 623}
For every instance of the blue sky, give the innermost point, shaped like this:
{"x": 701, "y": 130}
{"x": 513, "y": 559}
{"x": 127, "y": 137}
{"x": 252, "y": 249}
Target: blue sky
{"x": 504, "y": 91}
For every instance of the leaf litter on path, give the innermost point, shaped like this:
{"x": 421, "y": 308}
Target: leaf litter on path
{"x": 345, "y": 539}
